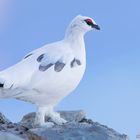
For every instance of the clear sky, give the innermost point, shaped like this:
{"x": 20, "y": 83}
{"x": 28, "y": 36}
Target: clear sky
{"x": 110, "y": 89}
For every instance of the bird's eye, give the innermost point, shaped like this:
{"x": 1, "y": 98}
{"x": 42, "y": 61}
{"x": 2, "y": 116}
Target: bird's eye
{"x": 89, "y": 22}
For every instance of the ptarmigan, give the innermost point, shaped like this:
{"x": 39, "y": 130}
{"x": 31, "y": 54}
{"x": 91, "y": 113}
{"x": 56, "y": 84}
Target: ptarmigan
{"x": 48, "y": 74}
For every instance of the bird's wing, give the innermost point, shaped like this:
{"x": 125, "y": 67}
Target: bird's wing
{"x": 20, "y": 75}
{"x": 57, "y": 56}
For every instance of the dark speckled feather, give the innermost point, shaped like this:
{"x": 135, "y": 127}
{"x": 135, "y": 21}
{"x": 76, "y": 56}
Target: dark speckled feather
{"x": 75, "y": 62}
{"x": 40, "y": 57}
{"x": 28, "y": 55}
{"x": 78, "y": 61}
{"x": 44, "y": 68}
{"x": 59, "y": 66}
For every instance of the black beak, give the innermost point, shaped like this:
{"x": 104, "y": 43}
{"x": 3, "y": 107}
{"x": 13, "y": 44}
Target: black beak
{"x": 96, "y": 26}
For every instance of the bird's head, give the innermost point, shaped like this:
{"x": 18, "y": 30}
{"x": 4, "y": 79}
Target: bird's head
{"x": 84, "y": 24}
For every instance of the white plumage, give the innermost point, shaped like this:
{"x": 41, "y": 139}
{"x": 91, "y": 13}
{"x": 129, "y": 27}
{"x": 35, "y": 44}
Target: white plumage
{"x": 46, "y": 75}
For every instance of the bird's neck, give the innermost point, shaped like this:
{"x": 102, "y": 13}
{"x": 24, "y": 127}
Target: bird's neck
{"x": 76, "y": 40}
{"x": 73, "y": 33}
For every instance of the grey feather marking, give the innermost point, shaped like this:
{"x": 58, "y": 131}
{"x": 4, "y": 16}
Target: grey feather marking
{"x": 72, "y": 62}
{"x": 44, "y": 68}
{"x": 78, "y": 62}
{"x": 28, "y": 55}
{"x": 75, "y": 61}
{"x": 40, "y": 57}
{"x": 59, "y": 66}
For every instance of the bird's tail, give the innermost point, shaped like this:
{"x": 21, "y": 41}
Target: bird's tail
{"x": 1, "y": 87}
{"x": 4, "y": 91}
{"x": 7, "y": 89}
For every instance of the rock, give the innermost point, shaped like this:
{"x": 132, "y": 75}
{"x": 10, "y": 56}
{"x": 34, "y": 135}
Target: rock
{"x": 77, "y": 128}
{"x": 3, "y": 119}
{"x": 70, "y": 116}
{"x": 9, "y": 136}
{"x": 73, "y": 116}
{"x": 76, "y": 131}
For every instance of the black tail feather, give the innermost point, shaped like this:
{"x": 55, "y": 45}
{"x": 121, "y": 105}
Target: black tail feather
{"x": 1, "y": 85}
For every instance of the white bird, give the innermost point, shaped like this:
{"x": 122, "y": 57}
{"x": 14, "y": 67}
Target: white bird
{"x": 48, "y": 74}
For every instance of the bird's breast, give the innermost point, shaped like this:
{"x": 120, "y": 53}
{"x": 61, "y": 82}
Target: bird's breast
{"x": 57, "y": 85}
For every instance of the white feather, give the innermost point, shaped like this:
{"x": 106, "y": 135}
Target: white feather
{"x": 47, "y": 88}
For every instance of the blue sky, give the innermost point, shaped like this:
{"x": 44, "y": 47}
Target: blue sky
{"x": 109, "y": 91}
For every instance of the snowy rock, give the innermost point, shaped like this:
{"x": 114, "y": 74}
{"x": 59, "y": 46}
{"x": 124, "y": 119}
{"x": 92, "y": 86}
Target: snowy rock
{"x": 9, "y": 136}
{"x": 3, "y": 119}
{"x": 70, "y": 116}
{"x": 77, "y": 131}
{"x": 77, "y": 128}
